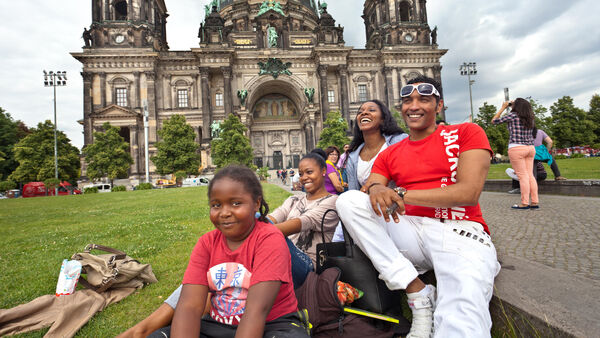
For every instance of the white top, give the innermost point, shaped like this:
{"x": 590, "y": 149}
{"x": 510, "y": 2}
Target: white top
{"x": 363, "y": 168}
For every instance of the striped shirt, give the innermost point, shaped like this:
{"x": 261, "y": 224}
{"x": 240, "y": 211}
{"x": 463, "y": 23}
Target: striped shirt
{"x": 518, "y": 133}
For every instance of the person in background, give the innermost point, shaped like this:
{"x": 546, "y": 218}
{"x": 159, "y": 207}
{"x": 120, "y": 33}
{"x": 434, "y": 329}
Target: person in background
{"x": 333, "y": 179}
{"x": 521, "y": 151}
{"x": 543, "y": 153}
{"x": 341, "y": 164}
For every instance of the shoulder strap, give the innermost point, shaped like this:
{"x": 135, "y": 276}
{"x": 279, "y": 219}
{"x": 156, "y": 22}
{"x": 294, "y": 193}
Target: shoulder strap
{"x": 118, "y": 253}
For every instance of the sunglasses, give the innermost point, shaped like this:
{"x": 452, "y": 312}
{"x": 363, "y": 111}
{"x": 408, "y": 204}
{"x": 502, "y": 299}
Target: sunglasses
{"x": 425, "y": 89}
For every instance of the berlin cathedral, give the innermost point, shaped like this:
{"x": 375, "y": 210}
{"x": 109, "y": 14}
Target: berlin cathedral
{"x": 279, "y": 65}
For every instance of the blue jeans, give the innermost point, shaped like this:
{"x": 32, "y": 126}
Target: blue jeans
{"x": 301, "y": 264}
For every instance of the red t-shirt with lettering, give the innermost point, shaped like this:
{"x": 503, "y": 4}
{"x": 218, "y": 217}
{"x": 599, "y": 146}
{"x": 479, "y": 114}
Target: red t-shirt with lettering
{"x": 431, "y": 163}
{"x": 263, "y": 256}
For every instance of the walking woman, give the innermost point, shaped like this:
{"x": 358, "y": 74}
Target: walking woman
{"x": 521, "y": 151}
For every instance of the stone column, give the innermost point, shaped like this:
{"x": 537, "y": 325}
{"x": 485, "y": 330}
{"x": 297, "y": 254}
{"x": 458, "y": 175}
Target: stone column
{"x": 94, "y": 11}
{"x": 323, "y": 82}
{"x": 102, "y": 89}
{"x": 130, "y": 10}
{"x": 227, "y": 99}
{"x": 107, "y": 10}
{"x": 136, "y": 76}
{"x": 388, "y": 86}
{"x": 87, "y": 106}
{"x": 206, "y": 108}
{"x": 345, "y": 105}
{"x": 135, "y": 150}
{"x": 196, "y": 104}
{"x": 374, "y": 92}
{"x": 166, "y": 85}
{"x": 152, "y": 106}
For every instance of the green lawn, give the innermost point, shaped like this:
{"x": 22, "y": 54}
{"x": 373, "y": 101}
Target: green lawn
{"x": 159, "y": 227}
{"x": 576, "y": 168}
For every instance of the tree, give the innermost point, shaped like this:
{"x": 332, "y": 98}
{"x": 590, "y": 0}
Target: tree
{"x": 594, "y": 115}
{"x": 542, "y": 120}
{"x": 335, "y": 131}
{"x": 11, "y": 132}
{"x": 497, "y": 134}
{"x": 108, "y": 156}
{"x": 35, "y": 155}
{"x": 232, "y": 146}
{"x": 177, "y": 149}
{"x": 571, "y": 126}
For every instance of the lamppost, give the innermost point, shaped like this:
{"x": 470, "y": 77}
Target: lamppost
{"x": 469, "y": 69}
{"x": 53, "y": 79}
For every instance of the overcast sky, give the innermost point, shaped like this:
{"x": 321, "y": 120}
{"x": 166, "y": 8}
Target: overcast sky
{"x": 540, "y": 48}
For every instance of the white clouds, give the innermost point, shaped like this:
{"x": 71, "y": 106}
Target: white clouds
{"x": 543, "y": 49}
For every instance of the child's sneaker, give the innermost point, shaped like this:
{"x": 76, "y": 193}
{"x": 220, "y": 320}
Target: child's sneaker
{"x": 422, "y": 304}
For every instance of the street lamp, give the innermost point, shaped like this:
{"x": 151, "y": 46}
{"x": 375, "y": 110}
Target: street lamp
{"x": 53, "y": 79}
{"x": 469, "y": 69}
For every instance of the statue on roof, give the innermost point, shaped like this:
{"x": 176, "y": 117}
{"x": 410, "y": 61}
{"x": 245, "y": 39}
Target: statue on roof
{"x": 322, "y": 7}
{"x": 270, "y": 5}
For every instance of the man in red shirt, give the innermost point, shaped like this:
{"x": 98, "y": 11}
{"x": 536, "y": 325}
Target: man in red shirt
{"x": 432, "y": 220}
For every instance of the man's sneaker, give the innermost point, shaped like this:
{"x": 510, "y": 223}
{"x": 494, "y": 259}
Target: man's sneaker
{"x": 422, "y": 313}
{"x": 560, "y": 178}
{"x": 515, "y": 191}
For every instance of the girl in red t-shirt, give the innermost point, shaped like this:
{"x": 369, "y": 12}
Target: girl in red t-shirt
{"x": 244, "y": 263}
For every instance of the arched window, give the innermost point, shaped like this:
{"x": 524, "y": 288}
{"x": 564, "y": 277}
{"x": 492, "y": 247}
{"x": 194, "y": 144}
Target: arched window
{"x": 404, "y": 11}
{"x": 121, "y": 10}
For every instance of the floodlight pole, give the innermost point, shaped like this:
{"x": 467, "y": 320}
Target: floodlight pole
{"x": 469, "y": 69}
{"x": 53, "y": 79}
{"x": 146, "y": 126}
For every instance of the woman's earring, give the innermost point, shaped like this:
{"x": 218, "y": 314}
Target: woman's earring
{"x": 323, "y": 175}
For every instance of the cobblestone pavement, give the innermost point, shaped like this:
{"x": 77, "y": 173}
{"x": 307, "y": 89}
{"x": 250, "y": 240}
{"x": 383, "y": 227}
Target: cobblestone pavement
{"x": 564, "y": 233}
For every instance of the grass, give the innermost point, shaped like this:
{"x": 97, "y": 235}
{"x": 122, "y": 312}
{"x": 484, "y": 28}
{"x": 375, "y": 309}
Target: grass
{"x": 159, "y": 227}
{"x": 575, "y": 168}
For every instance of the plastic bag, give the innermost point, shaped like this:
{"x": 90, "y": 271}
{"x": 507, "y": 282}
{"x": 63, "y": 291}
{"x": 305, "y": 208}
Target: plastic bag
{"x": 70, "y": 270}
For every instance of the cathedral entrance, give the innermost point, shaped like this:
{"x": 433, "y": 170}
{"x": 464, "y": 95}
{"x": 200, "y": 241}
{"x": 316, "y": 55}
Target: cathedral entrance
{"x": 277, "y": 160}
{"x": 276, "y": 131}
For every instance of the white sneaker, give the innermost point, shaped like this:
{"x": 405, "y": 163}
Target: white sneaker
{"x": 422, "y": 313}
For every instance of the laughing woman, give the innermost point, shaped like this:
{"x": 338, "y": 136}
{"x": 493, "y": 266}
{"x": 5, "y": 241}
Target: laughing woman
{"x": 374, "y": 130}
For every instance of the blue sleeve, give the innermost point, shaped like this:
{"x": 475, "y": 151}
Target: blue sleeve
{"x": 174, "y": 298}
{"x": 351, "y": 172}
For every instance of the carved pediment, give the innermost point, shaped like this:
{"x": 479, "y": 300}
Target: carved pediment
{"x": 114, "y": 111}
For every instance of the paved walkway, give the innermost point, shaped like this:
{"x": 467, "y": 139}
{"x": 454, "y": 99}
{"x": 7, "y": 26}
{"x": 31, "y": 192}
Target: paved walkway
{"x": 564, "y": 233}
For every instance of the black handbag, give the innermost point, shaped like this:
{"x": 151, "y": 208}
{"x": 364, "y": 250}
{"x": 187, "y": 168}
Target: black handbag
{"x": 358, "y": 271}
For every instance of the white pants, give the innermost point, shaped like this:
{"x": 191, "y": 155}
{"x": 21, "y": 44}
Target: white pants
{"x": 460, "y": 253}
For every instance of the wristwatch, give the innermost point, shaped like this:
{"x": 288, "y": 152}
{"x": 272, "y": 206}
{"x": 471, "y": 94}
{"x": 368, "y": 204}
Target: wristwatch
{"x": 401, "y": 192}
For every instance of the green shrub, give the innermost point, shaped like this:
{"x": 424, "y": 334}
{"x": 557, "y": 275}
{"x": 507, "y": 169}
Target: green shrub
{"x": 52, "y": 183}
{"x": 7, "y": 185}
{"x": 577, "y": 155}
{"x": 90, "y": 190}
{"x": 119, "y": 188}
{"x": 263, "y": 173}
{"x": 560, "y": 157}
{"x": 144, "y": 186}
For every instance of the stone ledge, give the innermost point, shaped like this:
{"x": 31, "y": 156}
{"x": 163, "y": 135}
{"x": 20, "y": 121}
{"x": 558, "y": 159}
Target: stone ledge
{"x": 539, "y": 301}
{"x": 588, "y": 188}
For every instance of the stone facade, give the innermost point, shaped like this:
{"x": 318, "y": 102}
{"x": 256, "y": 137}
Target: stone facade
{"x": 279, "y": 65}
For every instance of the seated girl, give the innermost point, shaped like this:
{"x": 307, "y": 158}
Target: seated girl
{"x": 244, "y": 263}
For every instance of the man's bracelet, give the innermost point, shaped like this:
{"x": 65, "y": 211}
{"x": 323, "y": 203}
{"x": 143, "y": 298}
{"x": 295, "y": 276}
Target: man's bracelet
{"x": 370, "y": 186}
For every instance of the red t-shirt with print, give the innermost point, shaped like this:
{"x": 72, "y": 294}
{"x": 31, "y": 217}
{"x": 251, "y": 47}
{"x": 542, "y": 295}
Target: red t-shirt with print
{"x": 431, "y": 163}
{"x": 263, "y": 256}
